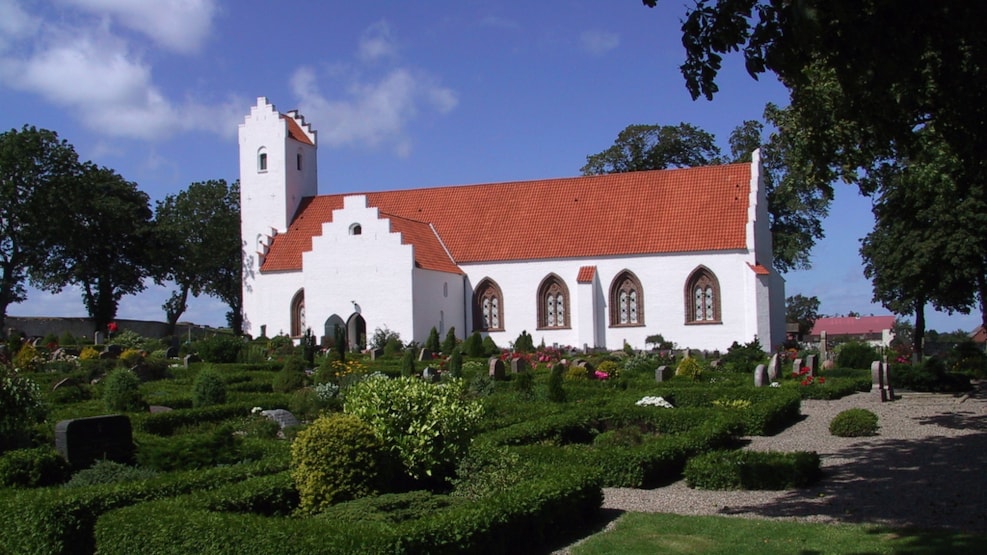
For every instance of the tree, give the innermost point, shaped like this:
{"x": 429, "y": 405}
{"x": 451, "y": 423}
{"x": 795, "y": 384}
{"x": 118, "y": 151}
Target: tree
{"x": 104, "y": 242}
{"x": 655, "y": 147}
{"x": 33, "y": 164}
{"x": 804, "y": 310}
{"x": 200, "y": 229}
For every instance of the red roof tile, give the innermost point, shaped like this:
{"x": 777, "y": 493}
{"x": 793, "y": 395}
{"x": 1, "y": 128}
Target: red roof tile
{"x": 663, "y": 211}
{"x": 852, "y": 325}
{"x": 586, "y": 274}
{"x": 295, "y": 130}
{"x": 759, "y": 269}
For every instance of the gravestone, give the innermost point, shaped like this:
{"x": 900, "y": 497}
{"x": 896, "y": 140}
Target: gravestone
{"x": 823, "y": 346}
{"x": 66, "y": 382}
{"x": 773, "y": 368}
{"x": 430, "y": 374}
{"x": 376, "y": 354}
{"x": 810, "y": 363}
{"x": 714, "y": 365}
{"x": 83, "y": 441}
{"x": 107, "y": 355}
{"x": 886, "y": 375}
{"x": 760, "y": 376}
{"x": 117, "y": 350}
{"x": 663, "y": 373}
{"x": 189, "y": 359}
{"x": 425, "y": 354}
{"x": 877, "y": 381}
{"x": 497, "y": 369}
{"x": 519, "y": 365}
{"x": 171, "y": 352}
{"x": 155, "y": 409}
{"x": 284, "y": 418}
{"x": 797, "y": 366}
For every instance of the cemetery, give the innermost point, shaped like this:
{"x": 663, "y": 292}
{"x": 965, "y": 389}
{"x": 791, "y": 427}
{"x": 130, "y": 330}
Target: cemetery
{"x": 267, "y": 446}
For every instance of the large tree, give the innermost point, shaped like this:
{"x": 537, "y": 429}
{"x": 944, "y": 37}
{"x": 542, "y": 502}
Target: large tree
{"x": 104, "y": 242}
{"x": 33, "y": 162}
{"x": 655, "y": 147}
{"x": 199, "y": 229}
{"x": 227, "y": 283}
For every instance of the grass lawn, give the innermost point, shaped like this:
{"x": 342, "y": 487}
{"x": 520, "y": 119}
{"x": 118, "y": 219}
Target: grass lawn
{"x": 665, "y": 533}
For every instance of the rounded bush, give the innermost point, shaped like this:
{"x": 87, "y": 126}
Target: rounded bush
{"x": 752, "y": 470}
{"x": 32, "y": 468}
{"x": 106, "y": 471}
{"x": 857, "y": 355}
{"x": 690, "y": 368}
{"x": 854, "y": 423}
{"x": 121, "y": 391}
{"x": 20, "y": 408}
{"x": 208, "y": 389}
{"x": 337, "y": 458}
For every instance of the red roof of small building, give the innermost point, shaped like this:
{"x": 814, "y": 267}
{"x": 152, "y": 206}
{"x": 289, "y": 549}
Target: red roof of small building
{"x": 853, "y": 325}
{"x": 586, "y": 274}
{"x": 663, "y": 211}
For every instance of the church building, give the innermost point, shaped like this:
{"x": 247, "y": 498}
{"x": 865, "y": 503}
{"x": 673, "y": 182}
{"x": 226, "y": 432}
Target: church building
{"x": 587, "y": 262}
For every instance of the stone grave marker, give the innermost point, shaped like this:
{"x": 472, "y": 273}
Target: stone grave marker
{"x": 425, "y": 354}
{"x": 761, "y": 376}
{"x": 663, "y": 373}
{"x": 376, "y": 354}
{"x": 797, "y": 366}
{"x": 83, "y": 441}
{"x": 171, "y": 352}
{"x": 497, "y": 369}
{"x": 886, "y": 375}
{"x": 810, "y": 363}
{"x": 189, "y": 359}
{"x": 519, "y": 365}
{"x": 773, "y": 368}
{"x": 284, "y": 418}
{"x": 430, "y": 374}
{"x": 877, "y": 381}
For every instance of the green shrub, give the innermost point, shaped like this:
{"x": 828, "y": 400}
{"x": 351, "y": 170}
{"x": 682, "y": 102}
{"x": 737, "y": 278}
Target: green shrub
{"x": 689, "y": 368}
{"x": 856, "y": 354}
{"x": 109, "y": 472}
{"x": 408, "y": 362}
{"x": 33, "y": 468}
{"x": 449, "y": 343}
{"x": 490, "y": 348}
{"x": 524, "y": 343}
{"x": 121, "y": 391}
{"x": 488, "y": 469}
{"x": 456, "y": 363}
{"x": 930, "y": 375}
{"x": 129, "y": 339}
{"x": 291, "y": 377}
{"x": 610, "y": 368}
{"x": 523, "y": 383}
{"x": 432, "y": 343}
{"x": 208, "y": 389}
{"x": 743, "y": 358}
{"x": 854, "y": 422}
{"x": 390, "y": 508}
{"x": 337, "y": 458}
{"x": 191, "y": 451}
{"x": 20, "y": 408}
{"x": 473, "y": 345}
{"x": 556, "y": 393}
{"x": 752, "y": 470}
{"x": 219, "y": 348}
{"x": 428, "y": 426}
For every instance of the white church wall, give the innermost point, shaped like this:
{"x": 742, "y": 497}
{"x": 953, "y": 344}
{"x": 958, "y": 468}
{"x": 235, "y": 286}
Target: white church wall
{"x": 268, "y": 304}
{"x": 438, "y": 302}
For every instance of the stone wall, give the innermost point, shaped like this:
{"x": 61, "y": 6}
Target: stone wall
{"x": 40, "y": 326}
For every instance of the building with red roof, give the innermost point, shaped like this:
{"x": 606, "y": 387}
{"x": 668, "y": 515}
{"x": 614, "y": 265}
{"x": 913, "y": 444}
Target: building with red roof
{"x": 876, "y": 330}
{"x": 584, "y": 261}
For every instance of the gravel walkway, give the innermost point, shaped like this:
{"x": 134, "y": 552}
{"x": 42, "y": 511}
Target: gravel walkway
{"x": 925, "y": 468}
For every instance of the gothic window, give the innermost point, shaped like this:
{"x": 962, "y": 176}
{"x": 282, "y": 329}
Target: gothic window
{"x": 262, "y": 160}
{"x": 356, "y": 229}
{"x": 488, "y": 307}
{"x": 298, "y": 314}
{"x": 626, "y": 300}
{"x": 702, "y": 297}
{"x": 553, "y": 303}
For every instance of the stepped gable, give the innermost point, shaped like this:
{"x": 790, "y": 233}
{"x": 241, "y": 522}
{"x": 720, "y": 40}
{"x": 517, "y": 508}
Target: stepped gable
{"x": 662, "y": 211}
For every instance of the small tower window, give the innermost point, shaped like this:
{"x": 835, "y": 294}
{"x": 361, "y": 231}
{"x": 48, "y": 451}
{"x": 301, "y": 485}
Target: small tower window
{"x": 262, "y": 161}
{"x": 356, "y": 229}
{"x": 298, "y": 161}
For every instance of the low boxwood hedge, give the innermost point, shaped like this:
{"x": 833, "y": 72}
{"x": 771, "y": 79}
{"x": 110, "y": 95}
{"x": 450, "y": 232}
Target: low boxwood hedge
{"x": 752, "y": 470}
{"x": 524, "y": 519}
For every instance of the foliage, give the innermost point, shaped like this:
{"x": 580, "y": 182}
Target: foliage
{"x": 427, "y": 426}
{"x": 855, "y": 422}
{"x": 384, "y": 336}
{"x": 487, "y": 470}
{"x": 129, "y": 339}
{"x": 109, "y": 472}
{"x": 490, "y": 348}
{"x": 201, "y": 227}
{"x": 337, "y": 458}
{"x": 104, "y": 244}
{"x": 856, "y": 354}
{"x": 219, "y": 348}
{"x": 28, "y": 359}
{"x": 121, "y": 391}
{"x": 659, "y": 342}
{"x": 131, "y": 357}
{"x": 690, "y": 368}
{"x": 524, "y": 343}
{"x": 803, "y": 310}
{"x": 752, "y": 470}
{"x": 655, "y": 147}
{"x": 456, "y": 363}
{"x": 556, "y": 393}
{"x": 743, "y": 358}
{"x": 34, "y": 165}
{"x": 449, "y": 343}
{"x": 33, "y": 468}
{"x": 930, "y": 375}
{"x": 291, "y": 377}
{"x": 523, "y": 383}
{"x": 473, "y": 345}
{"x": 408, "y": 363}
{"x": 208, "y": 389}
{"x": 577, "y": 372}
{"x": 432, "y": 343}
{"x": 191, "y": 451}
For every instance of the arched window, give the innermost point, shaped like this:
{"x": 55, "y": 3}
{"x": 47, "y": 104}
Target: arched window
{"x": 356, "y": 229}
{"x": 262, "y": 160}
{"x": 488, "y": 307}
{"x": 298, "y": 314}
{"x": 553, "y": 303}
{"x": 626, "y": 300}
{"x": 702, "y": 297}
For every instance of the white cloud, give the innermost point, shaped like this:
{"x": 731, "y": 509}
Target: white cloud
{"x": 376, "y": 43}
{"x": 15, "y": 23}
{"x": 599, "y": 42}
{"x": 179, "y": 25}
{"x": 370, "y": 111}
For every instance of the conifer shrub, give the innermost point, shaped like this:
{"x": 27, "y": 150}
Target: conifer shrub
{"x": 556, "y": 393}
{"x": 208, "y": 389}
{"x": 121, "y": 391}
{"x": 336, "y": 458}
{"x": 690, "y": 368}
{"x": 449, "y": 343}
{"x": 456, "y": 363}
{"x": 524, "y": 343}
{"x": 408, "y": 363}
{"x": 33, "y": 468}
{"x": 523, "y": 383}
{"x": 473, "y": 345}
{"x": 291, "y": 377}
{"x": 855, "y": 422}
{"x": 490, "y": 348}
{"x": 432, "y": 343}
{"x": 219, "y": 348}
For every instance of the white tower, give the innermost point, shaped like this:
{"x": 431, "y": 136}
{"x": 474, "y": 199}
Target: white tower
{"x": 277, "y": 170}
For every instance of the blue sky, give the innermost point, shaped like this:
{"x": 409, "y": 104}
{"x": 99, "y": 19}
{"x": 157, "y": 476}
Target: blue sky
{"x": 402, "y": 94}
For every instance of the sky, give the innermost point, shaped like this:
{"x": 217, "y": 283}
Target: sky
{"x": 402, "y": 95}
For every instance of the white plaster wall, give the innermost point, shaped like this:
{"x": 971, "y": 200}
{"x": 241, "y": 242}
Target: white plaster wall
{"x": 584, "y": 314}
{"x": 270, "y": 303}
{"x": 438, "y": 302}
{"x": 663, "y": 280}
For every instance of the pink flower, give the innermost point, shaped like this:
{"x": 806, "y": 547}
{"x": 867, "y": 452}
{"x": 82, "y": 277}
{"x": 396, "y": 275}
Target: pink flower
{"x": 601, "y": 375}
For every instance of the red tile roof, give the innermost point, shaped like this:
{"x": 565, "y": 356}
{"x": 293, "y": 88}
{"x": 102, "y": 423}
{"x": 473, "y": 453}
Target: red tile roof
{"x": 759, "y": 269}
{"x": 295, "y": 130}
{"x": 853, "y": 325}
{"x": 586, "y": 274}
{"x": 663, "y": 211}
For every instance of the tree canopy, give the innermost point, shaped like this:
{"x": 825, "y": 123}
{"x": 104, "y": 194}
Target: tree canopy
{"x": 655, "y": 147}
{"x": 802, "y": 310}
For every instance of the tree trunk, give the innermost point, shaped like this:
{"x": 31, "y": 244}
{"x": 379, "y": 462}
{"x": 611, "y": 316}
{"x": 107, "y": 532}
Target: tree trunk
{"x": 174, "y": 307}
{"x": 919, "y": 338}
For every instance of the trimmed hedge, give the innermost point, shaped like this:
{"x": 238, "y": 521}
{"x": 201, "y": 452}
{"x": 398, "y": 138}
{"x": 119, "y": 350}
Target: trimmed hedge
{"x": 524, "y": 519}
{"x": 166, "y": 423}
{"x": 61, "y": 520}
{"x": 752, "y": 470}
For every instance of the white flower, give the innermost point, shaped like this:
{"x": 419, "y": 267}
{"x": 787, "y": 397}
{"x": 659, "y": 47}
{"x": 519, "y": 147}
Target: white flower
{"x": 255, "y": 410}
{"x": 775, "y": 384}
{"x": 651, "y": 401}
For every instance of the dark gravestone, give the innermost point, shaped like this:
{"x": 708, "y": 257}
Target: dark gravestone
{"x": 425, "y": 354}
{"x": 761, "y": 376}
{"x": 172, "y": 352}
{"x": 877, "y": 381}
{"x": 519, "y": 365}
{"x": 189, "y": 359}
{"x": 376, "y": 354}
{"x": 83, "y": 441}
{"x": 497, "y": 369}
{"x": 664, "y": 373}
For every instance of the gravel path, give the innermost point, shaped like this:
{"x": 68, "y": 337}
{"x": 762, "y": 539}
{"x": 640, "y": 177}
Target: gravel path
{"x": 927, "y": 467}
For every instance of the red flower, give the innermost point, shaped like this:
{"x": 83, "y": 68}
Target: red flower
{"x": 821, "y": 379}
{"x": 112, "y": 327}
